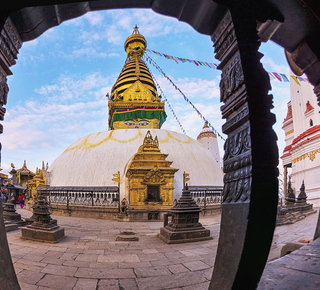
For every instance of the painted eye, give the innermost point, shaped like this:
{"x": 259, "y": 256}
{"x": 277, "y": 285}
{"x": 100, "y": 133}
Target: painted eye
{"x": 144, "y": 123}
{"x": 129, "y": 123}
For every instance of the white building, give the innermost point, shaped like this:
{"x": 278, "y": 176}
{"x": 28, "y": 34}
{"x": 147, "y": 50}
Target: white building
{"x": 302, "y": 136}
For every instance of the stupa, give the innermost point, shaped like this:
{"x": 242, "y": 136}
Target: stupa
{"x": 150, "y": 160}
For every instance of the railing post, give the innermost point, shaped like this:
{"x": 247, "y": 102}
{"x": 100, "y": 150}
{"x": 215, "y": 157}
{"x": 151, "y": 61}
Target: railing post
{"x": 205, "y": 202}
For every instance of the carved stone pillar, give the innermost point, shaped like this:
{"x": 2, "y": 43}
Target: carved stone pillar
{"x": 250, "y": 193}
{"x": 10, "y": 44}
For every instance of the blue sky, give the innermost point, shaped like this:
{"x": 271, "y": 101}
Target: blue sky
{"x": 57, "y": 91}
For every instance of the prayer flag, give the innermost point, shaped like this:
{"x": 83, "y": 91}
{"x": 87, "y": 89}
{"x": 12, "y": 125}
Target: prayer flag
{"x": 271, "y": 76}
{"x": 277, "y": 76}
{"x": 295, "y": 79}
{"x": 195, "y": 63}
{"x": 284, "y": 77}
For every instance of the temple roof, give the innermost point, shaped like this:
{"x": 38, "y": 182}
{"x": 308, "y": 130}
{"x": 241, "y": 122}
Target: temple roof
{"x": 24, "y": 170}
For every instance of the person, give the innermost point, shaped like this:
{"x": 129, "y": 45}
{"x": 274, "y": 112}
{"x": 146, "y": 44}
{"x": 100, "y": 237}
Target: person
{"x": 21, "y": 201}
{"x": 2, "y": 196}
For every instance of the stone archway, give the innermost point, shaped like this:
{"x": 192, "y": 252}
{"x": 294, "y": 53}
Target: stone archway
{"x": 250, "y": 185}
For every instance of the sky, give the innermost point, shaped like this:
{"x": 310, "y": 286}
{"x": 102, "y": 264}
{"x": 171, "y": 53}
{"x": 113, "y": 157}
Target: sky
{"x": 59, "y": 84}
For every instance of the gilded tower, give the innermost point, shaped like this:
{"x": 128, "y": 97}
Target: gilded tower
{"x": 134, "y": 101}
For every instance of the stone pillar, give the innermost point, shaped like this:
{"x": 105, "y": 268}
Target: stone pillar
{"x": 250, "y": 194}
{"x": 10, "y": 44}
{"x": 285, "y": 178}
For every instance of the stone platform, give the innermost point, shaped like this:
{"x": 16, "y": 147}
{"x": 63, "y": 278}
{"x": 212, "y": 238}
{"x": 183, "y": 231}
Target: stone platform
{"x": 91, "y": 258}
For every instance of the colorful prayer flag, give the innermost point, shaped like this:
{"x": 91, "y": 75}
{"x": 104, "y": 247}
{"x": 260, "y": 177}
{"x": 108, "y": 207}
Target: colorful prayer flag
{"x": 277, "y": 76}
{"x": 295, "y": 79}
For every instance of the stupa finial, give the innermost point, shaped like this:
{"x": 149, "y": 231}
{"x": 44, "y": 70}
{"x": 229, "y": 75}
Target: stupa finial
{"x": 136, "y": 30}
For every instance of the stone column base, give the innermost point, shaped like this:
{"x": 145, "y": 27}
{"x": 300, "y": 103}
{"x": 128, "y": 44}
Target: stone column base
{"x": 51, "y": 235}
{"x": 184, "y": 236}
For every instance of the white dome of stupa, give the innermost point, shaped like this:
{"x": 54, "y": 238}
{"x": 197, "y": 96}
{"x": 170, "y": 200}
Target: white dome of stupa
{"x": 93, "y": 159}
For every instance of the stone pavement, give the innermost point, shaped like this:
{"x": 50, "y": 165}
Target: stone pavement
{"x": 91, "y": 258}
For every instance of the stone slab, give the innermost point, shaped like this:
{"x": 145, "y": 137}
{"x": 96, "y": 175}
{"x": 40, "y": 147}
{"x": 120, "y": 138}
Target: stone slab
{"x": 151, "y": 271}
{"x": 62, "y": 283}
{"x": 53, "y": 236}
{"x": 196, "y": 265}
{"x": 170, "y": 237}
{"x": 86, "y": 284}
{"x": 170, "y": 281}
{"x": 104, "y": 273}
{"x": 59, "y": 270}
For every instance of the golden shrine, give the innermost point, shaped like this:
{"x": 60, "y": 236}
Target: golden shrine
{"x": 150, "y": 176}
{"x": 39, "y": 180}
{"x": 134, "y": 101}
{"x": 24, "y": 175}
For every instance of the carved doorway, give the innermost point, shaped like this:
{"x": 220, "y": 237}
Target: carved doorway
{"x": 153, "y": 193}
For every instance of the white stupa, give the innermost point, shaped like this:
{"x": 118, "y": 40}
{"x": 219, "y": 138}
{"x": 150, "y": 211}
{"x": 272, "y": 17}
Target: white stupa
{"x": 151, "y": 164}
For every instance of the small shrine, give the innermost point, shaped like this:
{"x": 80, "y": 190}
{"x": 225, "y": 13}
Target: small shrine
{"x": 184, "y": 226}
{"x": 39, "y": 180}
{"x": 24, "y": 175}
{"x": 295, "y": 208}
{"x": 43, "y": 228}
{"x": 150, "y": 179}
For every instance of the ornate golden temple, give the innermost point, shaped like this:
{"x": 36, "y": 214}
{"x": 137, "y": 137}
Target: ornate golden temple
{"x": 134, "y": 101}
{"x": 150, "y": 176}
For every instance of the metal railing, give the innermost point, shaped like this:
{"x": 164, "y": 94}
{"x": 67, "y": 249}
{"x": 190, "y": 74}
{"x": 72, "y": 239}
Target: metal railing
{"x": 206, "y": 195}
{"x": 106, "y": 197}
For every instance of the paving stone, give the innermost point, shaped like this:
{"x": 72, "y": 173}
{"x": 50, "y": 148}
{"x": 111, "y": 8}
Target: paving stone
{"x": 60, "y": 270}
{"x": 119, "y": 258}
{"x": 207, "y": 273}
{"x": 108, "y": 284}
{"x": 104, "y": 273}
{"x": 28, "y": 267}
{"x": 174, "y": 280}
{"x": 151, "y": 271}
{"x": 281, "y": 278}
{"x": 150, "y": 251}
{"x": 54, "y": 261}
{"x": 196, "y": 265}
{"x": 128, "y": 284}
{"x": 53, "y": 254}
{"x": 30, "y": 277}
{"x": 86, "y": 284}
{"x": 200, "y": 286}
{"x": 26, "y": 286}
{"x": 103, "y": 265}
{"x": 165, "y": 262}
{"x": 69, "y": 256}
{"x": 87, "y": 257}
{"x": 79, "y": 264}
{"x": 63, "y": 282}
{"x": 125, "y": 265}
{"x": 177, "y": 268}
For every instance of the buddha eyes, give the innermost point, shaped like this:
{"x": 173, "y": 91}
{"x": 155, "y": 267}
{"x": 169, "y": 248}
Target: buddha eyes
{"x": 141, "y": 123}
{"x": 129, "y": 123}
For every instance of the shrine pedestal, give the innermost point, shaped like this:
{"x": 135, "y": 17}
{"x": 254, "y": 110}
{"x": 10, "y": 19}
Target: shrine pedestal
{"x": 184, "y": 226}
{"x": 43, "y": 229}
{"x": 10, "y": 214}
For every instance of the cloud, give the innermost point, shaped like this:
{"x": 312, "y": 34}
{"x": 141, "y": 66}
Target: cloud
{"x": 75, "y": 87}
{"x": 275, "y": 67}
{"x": 92, "y": 52}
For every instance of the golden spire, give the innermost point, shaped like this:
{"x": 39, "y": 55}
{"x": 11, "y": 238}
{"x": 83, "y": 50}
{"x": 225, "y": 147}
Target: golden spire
{"x": 134, "y": 100}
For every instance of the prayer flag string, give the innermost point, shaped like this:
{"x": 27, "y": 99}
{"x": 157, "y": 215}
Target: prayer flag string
{"x": 151, "y": 61}
{"x": 171, "y": 109}
{"x": 281, "y": 77}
